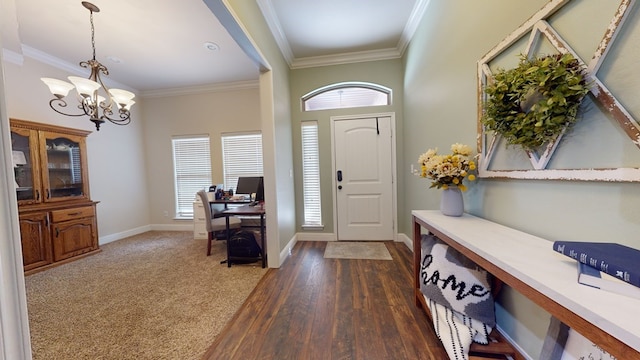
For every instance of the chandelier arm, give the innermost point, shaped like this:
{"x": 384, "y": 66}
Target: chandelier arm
{"x": 109, "y": 102}
{"x": 120, "y": 122}
{"x": 96, "y": 69}
{"x": 63, "y": 104}
{"x": 91, "y": 101}
{"x": 125, "y": 117}
{"x": 89, "y": 109}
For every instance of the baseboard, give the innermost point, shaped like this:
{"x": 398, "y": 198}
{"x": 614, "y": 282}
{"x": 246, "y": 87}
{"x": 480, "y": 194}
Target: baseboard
{"x": 309, "y": 236}
{"x": 403, "y": 238}
{"x": 286, "y": 252}
{"x": 121, "y": 235}
{"x": 173, "y": 227}
{"x": 513, "y": 343}
{"x": 315, "y": 236}
{"x": 139, "y": 230}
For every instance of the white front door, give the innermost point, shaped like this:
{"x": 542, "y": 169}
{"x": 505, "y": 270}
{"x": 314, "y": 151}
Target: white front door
{"x": 363, "y": 178}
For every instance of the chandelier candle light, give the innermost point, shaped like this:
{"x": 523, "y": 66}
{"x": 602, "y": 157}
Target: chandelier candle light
{"x": 91, "y": 102}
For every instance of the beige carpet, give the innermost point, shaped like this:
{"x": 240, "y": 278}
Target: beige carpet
{"x": 151, "y": 296}
{"x": 357, "y": 250}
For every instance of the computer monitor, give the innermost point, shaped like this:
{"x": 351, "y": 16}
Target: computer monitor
{"x": 251, "y": 184}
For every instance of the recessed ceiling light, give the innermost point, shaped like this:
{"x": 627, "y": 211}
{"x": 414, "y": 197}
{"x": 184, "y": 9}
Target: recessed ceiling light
{"x": 211, "y": 46}
{"x": 115, "y": 59}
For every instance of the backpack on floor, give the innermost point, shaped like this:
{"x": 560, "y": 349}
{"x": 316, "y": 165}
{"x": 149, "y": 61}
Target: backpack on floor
{"x": 243, "y": 244}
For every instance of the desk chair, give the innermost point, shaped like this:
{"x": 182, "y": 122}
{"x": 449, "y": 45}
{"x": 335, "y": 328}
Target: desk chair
{"x": 215, "y": 224}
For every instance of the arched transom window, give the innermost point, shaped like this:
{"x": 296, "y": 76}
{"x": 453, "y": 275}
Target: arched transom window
{"x": 346, "y": 95}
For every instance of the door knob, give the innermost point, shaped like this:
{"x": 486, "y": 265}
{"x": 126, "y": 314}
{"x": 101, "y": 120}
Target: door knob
{"x": 339, "y": 187}
{"x": 339, "y": 175}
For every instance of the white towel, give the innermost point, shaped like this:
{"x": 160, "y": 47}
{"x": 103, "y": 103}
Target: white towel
{"x": 457, "y": 331}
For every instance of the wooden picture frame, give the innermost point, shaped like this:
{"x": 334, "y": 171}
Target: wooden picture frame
{"x": 536, "y": 165}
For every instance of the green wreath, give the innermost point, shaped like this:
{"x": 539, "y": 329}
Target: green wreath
{"x": 532, "y": 104}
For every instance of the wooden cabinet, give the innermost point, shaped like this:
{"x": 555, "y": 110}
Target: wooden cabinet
{"x": 65, "y": 157}
{"x": 73, "y": 232}
{"x": 36, "y": 240}
{"x": 57, "y": 216}
{"x": 26, "y": 165}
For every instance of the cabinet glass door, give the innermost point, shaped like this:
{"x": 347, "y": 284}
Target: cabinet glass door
{"x": 64, "y": 170}
{"x": 25, "y": 170}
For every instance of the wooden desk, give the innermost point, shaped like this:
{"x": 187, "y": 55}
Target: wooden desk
{"x": 530, "y": 265}
{"x": 226, "y": 202}
{"x": 247, "y": 210}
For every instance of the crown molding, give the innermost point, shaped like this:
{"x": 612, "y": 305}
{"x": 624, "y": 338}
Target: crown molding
{"x": 58, "y": 63}
{"x": 270, "y": 16}
{"x": 45, "y": 58}
{"x": 12, "y": 57}
{"x": 74, "y": 69}
{"x": 192, "y": 90}
{"x": 345, "y": 58}
{"x": 412, "y": 24}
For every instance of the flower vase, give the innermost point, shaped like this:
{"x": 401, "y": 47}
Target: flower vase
{"x": 451, "y": 203}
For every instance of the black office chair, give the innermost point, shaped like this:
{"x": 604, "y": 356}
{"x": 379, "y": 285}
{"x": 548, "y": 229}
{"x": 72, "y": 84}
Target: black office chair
{"x": 215, "y": 224}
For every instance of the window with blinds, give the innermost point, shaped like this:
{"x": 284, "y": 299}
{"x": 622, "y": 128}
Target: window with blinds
{"x": 192, "y": 170}
{"x": 311, "y": 175}
{"x": 346, "y": 95}
{"x": 241, "y": 156}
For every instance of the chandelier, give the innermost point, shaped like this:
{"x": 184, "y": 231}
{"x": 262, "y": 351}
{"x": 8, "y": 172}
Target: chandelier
{"x": 95, "y": 99}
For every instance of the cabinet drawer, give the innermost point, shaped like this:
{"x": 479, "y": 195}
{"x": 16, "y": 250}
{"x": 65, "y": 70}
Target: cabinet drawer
{"x": 200, "y": 234}
{"x": 70, "y": 214}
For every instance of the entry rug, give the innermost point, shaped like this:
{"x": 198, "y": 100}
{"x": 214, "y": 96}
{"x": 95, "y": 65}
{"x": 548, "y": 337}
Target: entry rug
{"x": 357, "y": 250}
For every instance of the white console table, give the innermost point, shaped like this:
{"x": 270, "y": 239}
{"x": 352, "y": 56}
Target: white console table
{"x": 529, "y": 265}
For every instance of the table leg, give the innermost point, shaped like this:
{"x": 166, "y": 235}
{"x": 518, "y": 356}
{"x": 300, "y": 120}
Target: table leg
{"x": 417, "y": 254}
{"x": 228, "y": 239}
{"x": 264, "y": 255}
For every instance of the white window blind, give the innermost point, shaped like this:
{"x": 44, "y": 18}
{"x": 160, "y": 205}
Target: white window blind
{"x": 241, "y": 156}
{"x": 311, "y": 174}
{"x": 347, "y": 95}
{"x": 192, "y": 170}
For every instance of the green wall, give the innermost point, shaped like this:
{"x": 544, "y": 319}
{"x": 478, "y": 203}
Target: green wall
{"x": 387, "y": 73}
{"x": 435, "y": 97}
{"x": 276, "y": 127}
{"x": 440, "y": 109}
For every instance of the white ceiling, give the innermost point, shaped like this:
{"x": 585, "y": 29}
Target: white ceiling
{"x": 161, "y": 42}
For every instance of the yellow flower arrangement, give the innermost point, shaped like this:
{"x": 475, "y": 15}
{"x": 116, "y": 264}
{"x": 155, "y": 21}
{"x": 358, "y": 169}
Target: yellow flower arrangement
{"x": 447, "y": 170}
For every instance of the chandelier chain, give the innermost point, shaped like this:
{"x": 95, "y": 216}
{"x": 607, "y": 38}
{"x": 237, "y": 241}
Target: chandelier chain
{"x": 95, "y": 99}
{"x": 93, "y": 40}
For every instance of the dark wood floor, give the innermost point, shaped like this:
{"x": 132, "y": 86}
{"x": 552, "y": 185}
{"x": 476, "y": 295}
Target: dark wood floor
{"x": 317, "y": 308}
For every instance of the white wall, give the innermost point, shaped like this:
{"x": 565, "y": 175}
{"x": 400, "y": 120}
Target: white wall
{"x": 131, "y": 167}
{"x": 212, "y": 113}
{"x": 14, "y": 322}
{"x": 116, "y": 156}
